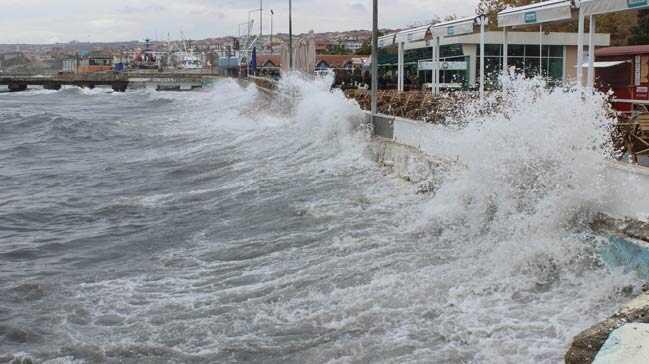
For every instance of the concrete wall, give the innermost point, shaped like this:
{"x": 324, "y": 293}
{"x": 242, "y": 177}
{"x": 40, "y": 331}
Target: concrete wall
{"x": 627, "y": 181}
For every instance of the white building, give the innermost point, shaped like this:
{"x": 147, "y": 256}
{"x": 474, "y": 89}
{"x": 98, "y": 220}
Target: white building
{"x": 554, "y": 53}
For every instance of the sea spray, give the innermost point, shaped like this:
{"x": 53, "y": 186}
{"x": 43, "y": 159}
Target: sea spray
{"x": 230, "y": 226}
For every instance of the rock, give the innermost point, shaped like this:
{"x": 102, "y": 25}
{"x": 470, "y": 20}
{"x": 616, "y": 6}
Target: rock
{"x": 587, "y": 344}
{"x": 628, "y": 344}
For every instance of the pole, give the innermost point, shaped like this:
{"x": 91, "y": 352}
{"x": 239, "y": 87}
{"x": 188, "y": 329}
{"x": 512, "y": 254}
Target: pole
{"x": 290, "y": 35}
{"x": 261, "y": 20}
{"x": 375, "y": 56}
{"x": 400, "y": 67}
{"x": 434, "y": 76}
{"x": 505, "y": 51}
{"x": 482, "y": 20}
{"x": 591, "y": 53}
{"x": 432, "y": 62}
{"x": 271, "y": 30}
{"x": 541, "y": 50}
{"x": 580, "y": 49}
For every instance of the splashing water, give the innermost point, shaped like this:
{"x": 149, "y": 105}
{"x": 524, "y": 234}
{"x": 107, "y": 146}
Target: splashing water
{"x": 228, "y": 226}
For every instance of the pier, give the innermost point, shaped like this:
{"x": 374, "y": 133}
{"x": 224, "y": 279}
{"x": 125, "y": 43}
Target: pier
{"x": 119, "y": 82}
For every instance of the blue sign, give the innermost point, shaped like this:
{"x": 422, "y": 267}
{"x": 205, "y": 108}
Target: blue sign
{"x": 450, "y": 30}
{"x": 636, "y": 3}
{"x": 530, "y": 17}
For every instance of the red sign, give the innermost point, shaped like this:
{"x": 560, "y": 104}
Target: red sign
{"x": 642, "y": 93}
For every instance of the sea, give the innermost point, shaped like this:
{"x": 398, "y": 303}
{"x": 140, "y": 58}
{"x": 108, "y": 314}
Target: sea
{"x": 227, "y": 225}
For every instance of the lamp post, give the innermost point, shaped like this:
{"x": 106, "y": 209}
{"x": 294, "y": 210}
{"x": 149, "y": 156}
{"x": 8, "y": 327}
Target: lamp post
{"x": 271, "y": 30}
{"x": 375, "y": 56}
{"x": 482, "y": 18}
{"x": 290, "y": 35}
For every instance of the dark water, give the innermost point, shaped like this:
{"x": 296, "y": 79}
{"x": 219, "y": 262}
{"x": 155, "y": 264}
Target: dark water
{"x": 221, "y": 226}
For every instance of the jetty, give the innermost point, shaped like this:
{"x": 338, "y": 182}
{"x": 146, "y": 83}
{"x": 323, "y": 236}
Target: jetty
{"x": 119, "y": 82}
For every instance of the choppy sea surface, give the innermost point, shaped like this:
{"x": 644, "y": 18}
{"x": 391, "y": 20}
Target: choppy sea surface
{"x": 223, "y": 226}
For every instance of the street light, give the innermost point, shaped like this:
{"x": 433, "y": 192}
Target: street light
{"x": 290, "y": 35}
{"x": 482, "y": 18}
{"x": 271, "y": 30}
{"x": 375, "y": 57}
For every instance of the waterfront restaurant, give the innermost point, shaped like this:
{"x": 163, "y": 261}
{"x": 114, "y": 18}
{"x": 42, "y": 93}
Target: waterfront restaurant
{"x": 552, "y": 54}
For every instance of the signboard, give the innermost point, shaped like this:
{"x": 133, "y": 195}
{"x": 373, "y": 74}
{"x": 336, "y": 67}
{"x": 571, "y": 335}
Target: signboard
{"x": 530, "y": 17}
{"x": 636, "y": 3}
{"x": 637, "y": 70}
{"x": 444, "y": 66}
{"x": 642, "y": 92}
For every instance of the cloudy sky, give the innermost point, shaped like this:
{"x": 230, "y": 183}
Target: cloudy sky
{"x": 48, "y": 21}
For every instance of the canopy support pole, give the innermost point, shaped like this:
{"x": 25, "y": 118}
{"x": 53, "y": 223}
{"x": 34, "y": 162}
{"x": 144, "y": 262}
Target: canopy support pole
{"x": 400, "y": 68}
{"x": 580, "y": 49}
{"x": 437, "y": 64}
{"x": 375, "y": 59}
{"x": 541, "y": 50}
{"x": 591, "y": 53}
{"x": 482, "y": 21}
{"x": 505, "y": 51}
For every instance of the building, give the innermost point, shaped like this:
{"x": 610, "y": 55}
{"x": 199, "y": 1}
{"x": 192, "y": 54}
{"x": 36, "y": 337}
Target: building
{"x": 333, "y": 62}
{"x": 96, "y": 62}
{"x": 553, "y": 55}
{"x": 625, "y": 70}
{"x": 352, "y": 45}
{"x": 268, "y": 65}
{"x": 13, "y": 59}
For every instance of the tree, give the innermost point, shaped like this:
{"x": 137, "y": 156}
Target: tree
{"x": 640, "y": 32}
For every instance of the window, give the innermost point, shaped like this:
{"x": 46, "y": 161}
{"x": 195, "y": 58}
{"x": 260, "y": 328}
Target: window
{"x": 532, "y": 50}
{"x": 530, "y": 59}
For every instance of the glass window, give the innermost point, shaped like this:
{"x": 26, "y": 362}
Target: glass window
{"x": 556, "y": 51}
{"x": 452, "y": 50}
{"x": 492, "y": 50}
{"x": 515, "y": 50}
{"x": 388, "y": 55}
{"x": 414, "y": 55}
{"x": 556, "y": 68}
{"x": 532, "y": 50}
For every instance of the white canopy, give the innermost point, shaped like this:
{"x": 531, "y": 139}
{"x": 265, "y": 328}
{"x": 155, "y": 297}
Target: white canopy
{"x": 543, "y": 12}
{"x": 604, "y": 64}
{"x": 410, "y": 35}
{"x": 595, "y": 7}
{"x": 455, "y": 27}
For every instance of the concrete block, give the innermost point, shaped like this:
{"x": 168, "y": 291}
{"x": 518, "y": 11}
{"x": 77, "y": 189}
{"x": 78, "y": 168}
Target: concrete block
{"x": 628, "y": 344}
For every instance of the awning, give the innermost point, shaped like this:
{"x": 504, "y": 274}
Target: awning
{"x": 604, "y": 64}
{"x": 595, "y": 7}
{"x": 455, "y": 27}
{"x": 416, "y": 34}
{"x": 409, "y": 35}
{"x": 543, "y": 12}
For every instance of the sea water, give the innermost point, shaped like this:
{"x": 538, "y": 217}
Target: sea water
{"x": 227, "y": 226}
